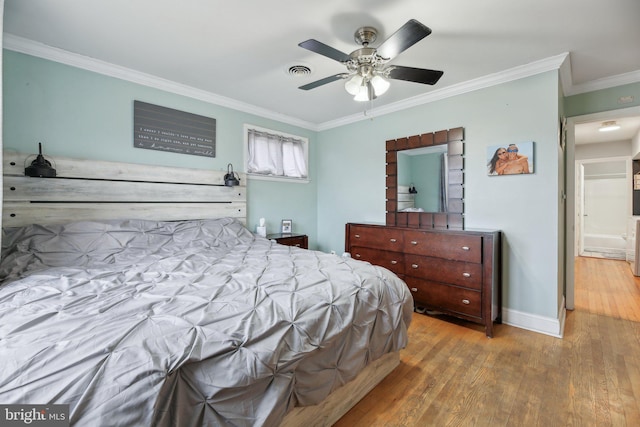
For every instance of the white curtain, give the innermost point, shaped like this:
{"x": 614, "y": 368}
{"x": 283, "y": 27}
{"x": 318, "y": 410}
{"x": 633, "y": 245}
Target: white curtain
{"x": 277, "y": 155}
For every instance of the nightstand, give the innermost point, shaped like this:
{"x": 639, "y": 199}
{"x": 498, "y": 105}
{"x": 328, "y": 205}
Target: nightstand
{"x": 290, "y": 239}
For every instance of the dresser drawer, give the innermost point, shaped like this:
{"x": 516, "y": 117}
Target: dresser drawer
{"x": 299, "y": 240}
{"x": 465, "y": 274}
{"x": 444, "y": 245}
{"x": 444, "y": 297}
{"x": 456, "y": 272}
{"x": 394, "y": 261}
{"x": 376, "y": 237}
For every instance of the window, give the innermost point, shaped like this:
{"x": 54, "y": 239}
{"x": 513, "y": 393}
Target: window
{"x": 274, "y": 155}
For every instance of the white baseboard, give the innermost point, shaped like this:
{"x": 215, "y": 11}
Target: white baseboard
{"x": 536, "y": 323}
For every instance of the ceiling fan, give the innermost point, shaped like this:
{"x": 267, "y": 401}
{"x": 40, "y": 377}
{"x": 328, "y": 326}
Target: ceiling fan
{"x": 368, "y": 73}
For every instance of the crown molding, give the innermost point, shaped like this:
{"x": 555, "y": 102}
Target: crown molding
{"x": 559, "y": 62}
{"x": 604, "y": 83}
{"x": 516, "y": 73}
{"x": 40, "y": 50}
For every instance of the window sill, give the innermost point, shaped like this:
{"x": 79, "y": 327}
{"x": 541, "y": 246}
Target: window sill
{"x": 257, "y": 177}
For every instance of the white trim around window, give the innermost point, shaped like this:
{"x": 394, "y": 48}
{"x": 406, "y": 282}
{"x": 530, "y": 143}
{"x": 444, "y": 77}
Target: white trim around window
{"x": 278, "y": 156}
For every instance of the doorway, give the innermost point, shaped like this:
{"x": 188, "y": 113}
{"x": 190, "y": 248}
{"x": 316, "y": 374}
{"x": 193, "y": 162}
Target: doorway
{"x": 572, "y": 219}
{"x": 603, "y": 206}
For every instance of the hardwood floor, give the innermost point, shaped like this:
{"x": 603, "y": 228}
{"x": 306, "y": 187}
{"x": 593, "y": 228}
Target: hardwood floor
{"x": 452, "y": 375}
{"x": 607, "y": 287}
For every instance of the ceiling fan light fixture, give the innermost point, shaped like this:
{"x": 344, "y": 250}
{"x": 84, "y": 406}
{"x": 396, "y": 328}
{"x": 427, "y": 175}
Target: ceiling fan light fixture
{"x": 362, "y": 95}
{"x": 366, "y": 66}
{"x": 609, "y": 126}
{"x": 353, "y": 84}
{"x": 365, "y": 92}
{"x": 380, "y": 84}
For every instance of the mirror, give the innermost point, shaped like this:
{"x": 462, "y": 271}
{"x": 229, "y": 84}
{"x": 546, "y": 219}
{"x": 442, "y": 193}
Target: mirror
{"x": 422, "y": 185}
{"x": 425, "y": 177}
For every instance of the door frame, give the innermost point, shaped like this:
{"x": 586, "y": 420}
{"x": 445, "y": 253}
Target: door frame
{"x": 570, "y": 187}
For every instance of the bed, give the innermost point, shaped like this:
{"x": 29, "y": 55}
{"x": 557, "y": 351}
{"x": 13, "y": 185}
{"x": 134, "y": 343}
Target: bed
{"x": 157, "y": 306}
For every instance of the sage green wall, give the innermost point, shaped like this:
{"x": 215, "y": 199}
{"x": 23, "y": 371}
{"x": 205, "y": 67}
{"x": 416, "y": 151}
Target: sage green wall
{"x": 78, "y": 113}
{"x": 563, "y": 255}
{"x": 425, "y": 175}
{"x": 351, "y": 170}
{"x": 601, "y": 100}
{"x": 82, "y": 114}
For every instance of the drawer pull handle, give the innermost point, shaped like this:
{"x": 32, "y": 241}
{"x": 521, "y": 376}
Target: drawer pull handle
{"x": 414, "y": 289}
{"x": 466, "y": 274}
{"x": 465, "y": 248}
{"x": 357, "y": 236}
{"x": 413, "y": 242}
{"x": 298, "y": 245}
{"x": 466, "y": 301}
{"x": 357, "y": 255}
{"x": 414, "y": 265}
{"x": 392, "y": 240}
{"x": 394, "y": 262}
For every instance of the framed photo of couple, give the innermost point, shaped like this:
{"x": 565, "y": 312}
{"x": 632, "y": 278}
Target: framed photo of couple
{"x": 287, "y": 226}
{"x": 510, "y": 159}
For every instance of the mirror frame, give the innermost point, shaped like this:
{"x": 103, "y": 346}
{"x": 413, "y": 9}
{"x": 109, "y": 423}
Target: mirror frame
{"x": 454, "y": 217}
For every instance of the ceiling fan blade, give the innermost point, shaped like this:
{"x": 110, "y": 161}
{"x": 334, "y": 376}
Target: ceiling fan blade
{"x": 323, "y": 49}
{"x": 324, "y": 81}
{"x": 417, "y": 75}
{"x": 408, "y": 35}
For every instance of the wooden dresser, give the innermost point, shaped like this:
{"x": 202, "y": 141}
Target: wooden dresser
{"x": 455, "y": 272}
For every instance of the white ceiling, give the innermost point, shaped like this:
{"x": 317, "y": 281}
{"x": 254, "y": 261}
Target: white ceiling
{"x": 241, "y": 50}
{"x": 587, "y": 133}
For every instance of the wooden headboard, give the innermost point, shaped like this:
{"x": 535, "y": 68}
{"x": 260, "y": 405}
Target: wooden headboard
{"x": 99, "y": 190}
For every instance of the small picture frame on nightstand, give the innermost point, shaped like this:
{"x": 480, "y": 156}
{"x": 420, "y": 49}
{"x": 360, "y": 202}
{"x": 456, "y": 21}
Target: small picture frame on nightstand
{"x": 287, "y": 226}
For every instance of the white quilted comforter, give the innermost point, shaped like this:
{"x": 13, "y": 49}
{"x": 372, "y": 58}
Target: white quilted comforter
{"x": 144, "y": 323}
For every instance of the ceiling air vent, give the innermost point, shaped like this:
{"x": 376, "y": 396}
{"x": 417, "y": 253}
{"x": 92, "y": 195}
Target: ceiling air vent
{"x": 299, "y": 71}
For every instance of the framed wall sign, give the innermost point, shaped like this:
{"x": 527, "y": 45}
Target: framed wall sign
{"x": 165, "y": 129}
